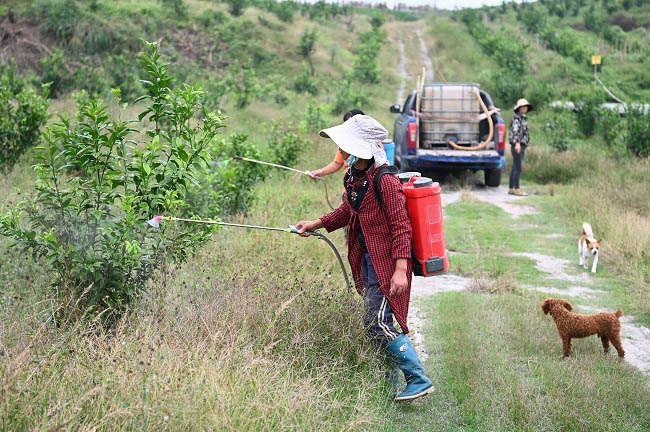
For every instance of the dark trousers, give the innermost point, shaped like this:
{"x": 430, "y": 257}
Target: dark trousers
{"x": 516, "y": 166}
{"x": 377, "y": 314}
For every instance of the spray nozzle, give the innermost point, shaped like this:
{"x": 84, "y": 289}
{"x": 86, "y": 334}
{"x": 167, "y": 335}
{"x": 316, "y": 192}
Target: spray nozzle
{"x": 155, "y": 222}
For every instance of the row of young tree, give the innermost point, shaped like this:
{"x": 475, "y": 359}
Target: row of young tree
{"x": 565, "y": 41}
{"x": 508, "y": 52}
{"x": 563, "y": 8}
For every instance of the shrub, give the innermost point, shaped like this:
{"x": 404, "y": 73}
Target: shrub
{"x": 609, "y": 126}
{"x": 122, "y": 74}
{"x": 614, "y": 35}
{"x": 305, "y": 84}
{"x": 236, "y": 7}
{"x": 212, "y": 17}
{"x": 588, "y": 109}
{"x": 91, "y": 79}
{"x": 594, "y": 20}
{"x": 365, "y": 68}
{"x": 59, "y": 18}
{"x": 286, "y": 145}
{"x": 540, "y": 93}
{"x": 307, "y": 46}
{"x": 22, "y": 114}
{"x": 91, "y": 227}
{"x": 347, "y": 97}
{"x": 377, "y": 20}
{"x": 637, "y": 139}
{"x": 280, "y": 98}
{"x": 244, "y": 86}
{"x": 284, "y": 10}
{"x": 314, "y": 118}
{"x": 226, "y": 187}
{"x": 214, "y": 91}
{"x": 508, "y": 86}
{"x": 95, "y": 36}
{"x": 178, "y": 6}
{"x": 557, "y": 130}
{"x": 54, "y": 71}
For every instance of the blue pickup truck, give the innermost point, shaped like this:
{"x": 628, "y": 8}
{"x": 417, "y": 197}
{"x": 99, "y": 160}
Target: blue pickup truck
{"x": 448, "y": 128}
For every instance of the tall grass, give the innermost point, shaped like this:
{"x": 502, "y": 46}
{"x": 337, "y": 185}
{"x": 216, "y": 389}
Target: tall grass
{"x": 250, "y": 340}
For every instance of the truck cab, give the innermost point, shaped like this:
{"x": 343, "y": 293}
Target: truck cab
{"x": 447, "y": 129}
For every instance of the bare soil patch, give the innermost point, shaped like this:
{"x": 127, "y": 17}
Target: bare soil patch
{"x": 496, "y": 196}
{"x": 555, "y": 267}
{"x": 572, "y": 291}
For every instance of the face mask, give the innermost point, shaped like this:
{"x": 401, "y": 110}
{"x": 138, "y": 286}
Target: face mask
{"x": 352, "y": 160}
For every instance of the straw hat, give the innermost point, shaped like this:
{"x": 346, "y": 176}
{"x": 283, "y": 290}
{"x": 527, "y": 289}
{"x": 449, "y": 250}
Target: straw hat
{"x": 359, "y": 136}
{"x": 523, "y": 102}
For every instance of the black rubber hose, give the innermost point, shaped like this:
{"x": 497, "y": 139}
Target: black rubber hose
{"x": 327, "y": 196}
{"x": 338, "y": 256}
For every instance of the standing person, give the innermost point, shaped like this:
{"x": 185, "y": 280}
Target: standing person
{"x": 338, "y": 161}
{"x": 519, "y": 140}
{"x": 379, "y": 244}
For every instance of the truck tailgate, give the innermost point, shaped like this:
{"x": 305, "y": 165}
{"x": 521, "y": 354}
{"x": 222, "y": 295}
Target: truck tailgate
{"x": 449, "y": 153}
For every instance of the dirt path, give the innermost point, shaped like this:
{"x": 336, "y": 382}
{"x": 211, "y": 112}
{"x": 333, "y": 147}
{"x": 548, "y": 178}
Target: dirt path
{"x": 424, "y": 55}
{"x": 572, "y": 282}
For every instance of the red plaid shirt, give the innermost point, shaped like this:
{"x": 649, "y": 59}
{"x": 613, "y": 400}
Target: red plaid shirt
{"x": 387, "y": 232}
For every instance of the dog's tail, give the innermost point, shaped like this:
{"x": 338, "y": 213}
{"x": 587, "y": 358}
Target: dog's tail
{"x": 586, "y": 230}
{"x": 618, "y": 312}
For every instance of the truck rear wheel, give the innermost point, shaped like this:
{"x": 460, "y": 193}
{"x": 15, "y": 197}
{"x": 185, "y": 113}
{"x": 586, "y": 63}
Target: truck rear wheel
{"x": 492, "y": 177}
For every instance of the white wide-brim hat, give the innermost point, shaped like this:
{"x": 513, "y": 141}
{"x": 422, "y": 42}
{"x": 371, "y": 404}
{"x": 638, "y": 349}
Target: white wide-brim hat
{"x": 360, "y": 136}
{"x": 523, "y": 102}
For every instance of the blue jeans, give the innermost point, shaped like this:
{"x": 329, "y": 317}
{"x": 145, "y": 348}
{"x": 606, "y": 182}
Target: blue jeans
{"x": 516, "y": 166}
{"x": 377, "y": 316}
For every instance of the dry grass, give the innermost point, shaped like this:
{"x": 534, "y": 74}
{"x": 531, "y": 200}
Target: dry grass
{"x": 244, "y": 352}
{"x": 467, "y": 195}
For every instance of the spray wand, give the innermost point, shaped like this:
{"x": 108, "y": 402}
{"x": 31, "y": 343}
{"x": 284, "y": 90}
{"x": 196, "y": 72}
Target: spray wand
{"x": 306, "y": 172}
{"x": 155, "y": 222}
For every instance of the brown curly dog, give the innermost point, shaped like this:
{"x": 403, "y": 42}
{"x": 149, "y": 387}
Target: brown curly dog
{"x": 571, "y": 325}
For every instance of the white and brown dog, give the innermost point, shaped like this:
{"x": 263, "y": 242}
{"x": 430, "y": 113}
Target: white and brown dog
{"x": 588, "y": 245}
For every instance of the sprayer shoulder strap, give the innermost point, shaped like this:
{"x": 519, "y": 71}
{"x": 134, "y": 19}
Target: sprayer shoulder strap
{"x": 376, "y": 184}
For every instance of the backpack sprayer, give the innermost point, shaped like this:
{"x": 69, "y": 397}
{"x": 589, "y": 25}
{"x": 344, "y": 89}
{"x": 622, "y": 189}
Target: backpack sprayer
{"x": 306, "y": 172}
{"x": 155, "y": 222}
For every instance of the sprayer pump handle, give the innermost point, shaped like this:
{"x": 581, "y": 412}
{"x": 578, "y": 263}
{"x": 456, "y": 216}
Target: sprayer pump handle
{"x": 294, "y": 230}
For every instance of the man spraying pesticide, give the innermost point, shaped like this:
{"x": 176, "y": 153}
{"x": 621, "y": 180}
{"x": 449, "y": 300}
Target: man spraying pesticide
{"x": 379, "y": 244}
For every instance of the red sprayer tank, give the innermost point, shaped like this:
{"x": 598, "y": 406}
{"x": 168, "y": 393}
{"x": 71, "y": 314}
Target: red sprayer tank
{"x": 425, "y": 212}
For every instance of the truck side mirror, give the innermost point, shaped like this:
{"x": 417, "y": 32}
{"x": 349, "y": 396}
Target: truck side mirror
{"x": 395, "y": 109}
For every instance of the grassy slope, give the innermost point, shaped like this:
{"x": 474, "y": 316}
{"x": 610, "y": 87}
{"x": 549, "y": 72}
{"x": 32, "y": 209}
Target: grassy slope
{"x": 228, "y": 355}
